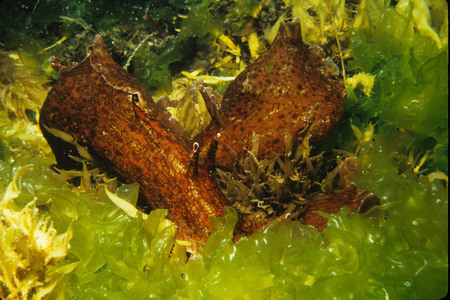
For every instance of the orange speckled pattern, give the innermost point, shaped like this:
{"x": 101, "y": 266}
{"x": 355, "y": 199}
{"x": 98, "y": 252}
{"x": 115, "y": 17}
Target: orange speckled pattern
{"x": 284, "y": 89}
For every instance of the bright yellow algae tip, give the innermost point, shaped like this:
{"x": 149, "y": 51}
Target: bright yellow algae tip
{"x": 364, "y": 80}
{"x": 253, "y": 44}
{"x": 330, "y": 18}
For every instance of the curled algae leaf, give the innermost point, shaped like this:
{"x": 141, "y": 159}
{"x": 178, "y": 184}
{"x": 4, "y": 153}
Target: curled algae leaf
{"x": 124, "y": 205}
{"x": 364, "y": 80}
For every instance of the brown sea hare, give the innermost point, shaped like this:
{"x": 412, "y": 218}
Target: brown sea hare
{"x": 113, "y": 116}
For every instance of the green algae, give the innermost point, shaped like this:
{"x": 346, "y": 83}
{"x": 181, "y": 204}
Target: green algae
{"x": 410, "y": 88}
{"x": 399, "y": 250}
{"x": 175, "y": 31}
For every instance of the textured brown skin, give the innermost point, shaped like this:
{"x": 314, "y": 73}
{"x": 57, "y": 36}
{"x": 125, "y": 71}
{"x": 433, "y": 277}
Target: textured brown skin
{"x": 284, "y": 89}
{"x": 94, "y": 101}
{"x": 112, "y": 115}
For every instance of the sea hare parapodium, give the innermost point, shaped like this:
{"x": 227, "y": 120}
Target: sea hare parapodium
{"x": 283, "y": 90}
{"x": 111, "y": 114}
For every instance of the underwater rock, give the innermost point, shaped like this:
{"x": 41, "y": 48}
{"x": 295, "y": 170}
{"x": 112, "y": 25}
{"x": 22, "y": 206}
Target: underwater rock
{"x": 283, "y": 90}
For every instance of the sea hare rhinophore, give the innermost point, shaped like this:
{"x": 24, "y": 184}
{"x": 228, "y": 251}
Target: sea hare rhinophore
{"x": 113, "y": 116}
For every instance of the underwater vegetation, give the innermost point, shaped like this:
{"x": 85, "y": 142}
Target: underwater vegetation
{"x": 395, "y": 57}
{"x": 31, "y": 249}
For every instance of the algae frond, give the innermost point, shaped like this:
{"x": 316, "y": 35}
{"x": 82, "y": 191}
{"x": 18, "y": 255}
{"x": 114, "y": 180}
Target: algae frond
{"x": 30, "y": 248}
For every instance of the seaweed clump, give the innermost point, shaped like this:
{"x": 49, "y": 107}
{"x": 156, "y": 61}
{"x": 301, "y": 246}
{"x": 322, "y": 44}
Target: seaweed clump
{"x": 409, "y": 65}
{"x": 22, "y": 88}
{"x": 282, "y": 185}
{"x": 31, "y": 250}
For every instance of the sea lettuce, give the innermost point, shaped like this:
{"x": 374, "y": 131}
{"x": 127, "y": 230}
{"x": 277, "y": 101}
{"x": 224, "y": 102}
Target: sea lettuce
{"x": 398, "y": 250}
{"x": 410, "y": 89}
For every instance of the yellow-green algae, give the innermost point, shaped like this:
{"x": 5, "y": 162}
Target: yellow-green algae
{"x": 30, "y": 248}
{"x": 397, "y": 251}
{"x": 400, "y": 251}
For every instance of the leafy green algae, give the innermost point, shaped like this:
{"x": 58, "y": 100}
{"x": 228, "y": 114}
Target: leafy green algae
{"x": 399, "y": 250}
{"x": 410, "y": 88}
{"x": 396, "y": 251}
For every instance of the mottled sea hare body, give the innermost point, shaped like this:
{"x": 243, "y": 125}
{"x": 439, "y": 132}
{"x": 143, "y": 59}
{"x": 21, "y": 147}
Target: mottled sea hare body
{"x": 283, "y": 90}
{"x": 110, "y": 113}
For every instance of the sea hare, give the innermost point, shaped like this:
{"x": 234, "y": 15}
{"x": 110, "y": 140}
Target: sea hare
{"x": 110, "y": 113}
